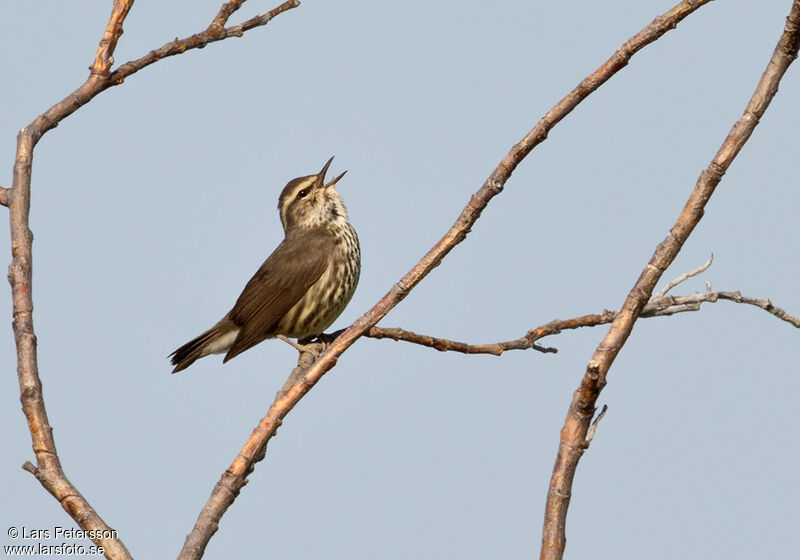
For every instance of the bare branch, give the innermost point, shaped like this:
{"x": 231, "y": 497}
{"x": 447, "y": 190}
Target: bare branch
{"x": 764, "y": 304}
{"x": 232, "y": 480}
{"x": 683, "y": 277}
{"x": 582, "y": 407}
{"x": 197, "y": 41}
{"x": 48, "y": 468}
{"x": 100, "y": 79}
{"x": 525, "y": 342}
{"x": 662, "y": 307}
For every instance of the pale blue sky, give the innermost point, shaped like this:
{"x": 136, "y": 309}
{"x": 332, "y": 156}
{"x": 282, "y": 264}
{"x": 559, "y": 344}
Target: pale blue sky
{"x": 155, "y": 203}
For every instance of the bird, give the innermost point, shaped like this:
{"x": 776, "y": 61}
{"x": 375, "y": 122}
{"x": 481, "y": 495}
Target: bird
{"x": 302, "y": 287}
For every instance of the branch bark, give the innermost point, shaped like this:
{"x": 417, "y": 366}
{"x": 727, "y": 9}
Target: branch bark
{"x": 48, "y": 469}
{"x": 235, "y": 477}
{"x": 582, "y": 408}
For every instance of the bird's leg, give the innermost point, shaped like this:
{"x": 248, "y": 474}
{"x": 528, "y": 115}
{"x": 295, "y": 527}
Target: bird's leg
{"x": 314, "y": 345}
{"x": 296, "y": 345}
{"x": 309, "y": 345}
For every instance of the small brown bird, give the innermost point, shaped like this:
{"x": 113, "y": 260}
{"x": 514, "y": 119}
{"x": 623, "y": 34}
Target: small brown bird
{"x": 302, "y": 287}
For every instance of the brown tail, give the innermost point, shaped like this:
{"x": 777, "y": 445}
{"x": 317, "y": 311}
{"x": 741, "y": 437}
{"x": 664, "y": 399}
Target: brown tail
{"x": 187, "y": 354}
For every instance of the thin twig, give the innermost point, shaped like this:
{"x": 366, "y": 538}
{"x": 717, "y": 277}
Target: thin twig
{"x": 99, "y": 81}
{"x": 582, "y": 407}
{"x": 662, "y": 307}
{"x": 196, "y": 41}
{"x": 593, "y": 427}
{"x": 683, "y": 277}
{"x": 48, "y": 468}
{"x": 234, "y": 478}
{"x": 764, "y": 304}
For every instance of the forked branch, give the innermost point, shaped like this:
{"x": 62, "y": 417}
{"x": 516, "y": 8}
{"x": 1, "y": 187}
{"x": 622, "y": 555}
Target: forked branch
{"x": 214, "y": 32}
{"x": 582, "y": 407}
{"x": 683, "y": 278}
{"x": 48, "y": 468}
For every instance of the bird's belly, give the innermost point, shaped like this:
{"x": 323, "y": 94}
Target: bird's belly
{"x": 323, "y": 302}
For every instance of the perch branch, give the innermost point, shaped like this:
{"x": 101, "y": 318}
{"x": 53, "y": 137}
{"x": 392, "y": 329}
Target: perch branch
{"x": 48, "y": 470}
{"x": 582, "y": 407}
{"x": 234, "y": 478}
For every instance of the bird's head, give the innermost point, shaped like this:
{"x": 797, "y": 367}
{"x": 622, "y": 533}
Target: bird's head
{"x": 308, "y": 202}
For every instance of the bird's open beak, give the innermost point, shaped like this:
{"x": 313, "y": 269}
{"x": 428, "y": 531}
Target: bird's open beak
{"x": 320, "y": 183}
{"x": 336, "y": 180}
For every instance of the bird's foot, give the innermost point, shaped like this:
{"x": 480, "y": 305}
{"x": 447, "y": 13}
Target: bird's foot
{"x": 323, "y": 339}
{"x": 296, "y": 345}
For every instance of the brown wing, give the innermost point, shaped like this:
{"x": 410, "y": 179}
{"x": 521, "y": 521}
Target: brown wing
{"x": 279, "y": 284}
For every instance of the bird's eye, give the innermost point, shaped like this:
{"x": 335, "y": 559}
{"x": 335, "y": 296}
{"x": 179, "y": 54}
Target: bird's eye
{"x": 302, "y": 193}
